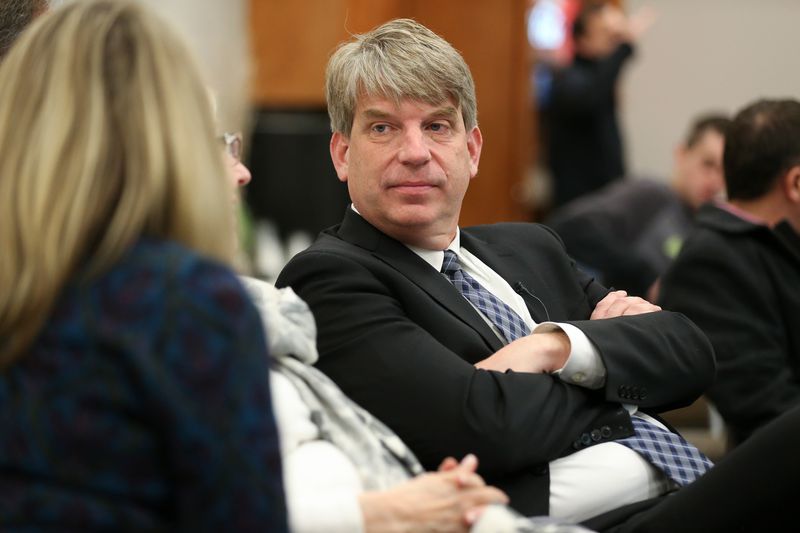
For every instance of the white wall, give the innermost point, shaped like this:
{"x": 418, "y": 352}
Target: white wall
{"x": 216, "y": 31}
{"x": 704, "y": 55}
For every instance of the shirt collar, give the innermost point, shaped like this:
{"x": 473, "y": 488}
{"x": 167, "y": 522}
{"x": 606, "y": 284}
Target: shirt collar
{"x": 435, "y": 258}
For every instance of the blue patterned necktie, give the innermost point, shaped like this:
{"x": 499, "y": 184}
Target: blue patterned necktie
{"x": 506, "y": 320}
{"x": 668, "y": 451}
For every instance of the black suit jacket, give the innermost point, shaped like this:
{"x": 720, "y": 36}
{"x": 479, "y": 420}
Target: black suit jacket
{"x": 400, "y": 340}
{"x": 741, "y": 283}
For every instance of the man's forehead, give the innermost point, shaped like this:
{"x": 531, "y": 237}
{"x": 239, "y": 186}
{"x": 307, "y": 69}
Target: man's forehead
{"x": 710, "y": 139}
{"x": 382, "y": 105}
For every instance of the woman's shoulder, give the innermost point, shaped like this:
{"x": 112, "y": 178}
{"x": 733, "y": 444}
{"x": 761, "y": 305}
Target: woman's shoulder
{"x": 155, "y": 276}
{"x": 170, "y": 258}
{"x": 165, "y": 261}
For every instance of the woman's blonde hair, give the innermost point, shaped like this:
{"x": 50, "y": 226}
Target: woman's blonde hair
{"x": 107, "y": 135}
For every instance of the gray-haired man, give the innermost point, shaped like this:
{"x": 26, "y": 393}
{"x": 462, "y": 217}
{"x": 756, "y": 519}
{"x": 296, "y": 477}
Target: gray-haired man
{"x": 485, "y": 339}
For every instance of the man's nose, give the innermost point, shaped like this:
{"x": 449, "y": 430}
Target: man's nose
{"x": 414, "y": 149}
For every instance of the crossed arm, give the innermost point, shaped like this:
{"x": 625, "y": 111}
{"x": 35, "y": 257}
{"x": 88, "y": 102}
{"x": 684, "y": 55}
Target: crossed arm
{"x": 406, "y": 359}
{"x": 547, "y": 352}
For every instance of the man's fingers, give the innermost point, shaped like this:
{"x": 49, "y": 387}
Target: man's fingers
{"x": 622, "y": 306}
{"x": 639, "y": 309}
{"x": 601, "y": 309}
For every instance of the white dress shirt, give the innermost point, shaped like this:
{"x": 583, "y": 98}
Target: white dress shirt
{"x": 593, "y": 480}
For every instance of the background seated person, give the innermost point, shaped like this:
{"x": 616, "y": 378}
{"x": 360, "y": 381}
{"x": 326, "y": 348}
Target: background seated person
{"x": 628, "y": 233}
{"x": 739, "y": 273}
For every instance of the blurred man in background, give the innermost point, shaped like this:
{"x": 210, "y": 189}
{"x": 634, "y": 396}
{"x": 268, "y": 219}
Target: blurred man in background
{"x": 738, "y": 276}
{"x": 628, "y": 233}
{"x": 585, "y": 149}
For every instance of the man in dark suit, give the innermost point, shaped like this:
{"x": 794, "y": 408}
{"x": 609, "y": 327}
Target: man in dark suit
{"x": 486, "y": 339}
{"x": 738, "y": 276}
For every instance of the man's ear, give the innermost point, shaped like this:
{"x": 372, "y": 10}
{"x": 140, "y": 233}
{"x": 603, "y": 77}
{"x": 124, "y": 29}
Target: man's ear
{"x": 791, "y": 184}
{"x": 340, "y": 151}
{"x": 474, "y": 145}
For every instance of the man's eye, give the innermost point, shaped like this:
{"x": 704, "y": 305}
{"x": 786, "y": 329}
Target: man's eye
{"x": 438, "y": 127}
{"x": 380, "y": 128}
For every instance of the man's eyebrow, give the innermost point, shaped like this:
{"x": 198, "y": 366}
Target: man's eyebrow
{"x": 448, "y": 112}
{"x": 375, "y": 113}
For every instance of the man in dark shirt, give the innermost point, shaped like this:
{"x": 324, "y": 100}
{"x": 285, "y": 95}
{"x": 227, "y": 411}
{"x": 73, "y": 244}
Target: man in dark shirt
{"x": 585, "y": 147}
{"x": 738, "y": 276}
{"x": 630, "y": 231}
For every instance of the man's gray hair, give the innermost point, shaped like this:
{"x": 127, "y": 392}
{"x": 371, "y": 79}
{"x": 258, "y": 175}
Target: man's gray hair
{"x": 15, "y": 15}
{"x": 400, "y": 60}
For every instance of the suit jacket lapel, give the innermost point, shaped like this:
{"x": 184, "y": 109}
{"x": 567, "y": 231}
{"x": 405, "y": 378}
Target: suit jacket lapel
{"x": 355, "y": 230}
{"x": 506, "y": 263}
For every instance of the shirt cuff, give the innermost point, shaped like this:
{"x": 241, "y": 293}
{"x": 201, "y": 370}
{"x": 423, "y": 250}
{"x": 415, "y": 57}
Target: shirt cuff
{"x": 584, "y": 367}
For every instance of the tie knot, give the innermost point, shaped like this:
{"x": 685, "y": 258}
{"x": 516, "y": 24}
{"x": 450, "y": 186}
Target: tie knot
{"x": 450, "y": 264}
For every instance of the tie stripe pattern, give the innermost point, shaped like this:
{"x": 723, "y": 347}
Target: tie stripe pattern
{"x": 668, "y": 451}
{"x": 506, "y": 320}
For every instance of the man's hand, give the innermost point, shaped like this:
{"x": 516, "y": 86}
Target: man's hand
{"x": 629, "y": 29}
{"x": 537, "y": 353}
{"x": 618, "y": 303}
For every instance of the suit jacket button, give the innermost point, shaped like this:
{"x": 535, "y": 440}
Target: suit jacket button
{"x": 586, "y": 439}
{"x": 605, "y": 432}
{"x": 577, "y": 444}
{"x": 596, "y": 435}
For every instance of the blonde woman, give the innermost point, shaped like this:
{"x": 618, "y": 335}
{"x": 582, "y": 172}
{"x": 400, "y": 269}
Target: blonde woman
{"x": 134, "y": 389}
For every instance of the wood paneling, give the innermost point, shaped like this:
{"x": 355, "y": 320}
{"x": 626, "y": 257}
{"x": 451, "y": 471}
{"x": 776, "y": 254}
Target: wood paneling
{"x": 292, "y": 41}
